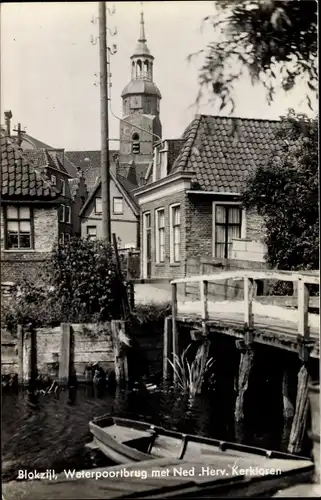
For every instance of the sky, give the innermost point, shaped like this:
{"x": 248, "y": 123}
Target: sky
{"x": 50, "y": 68}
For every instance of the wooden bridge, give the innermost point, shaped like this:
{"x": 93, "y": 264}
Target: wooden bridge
{"x": 252, "y": 322}
{"x": 264, "y": 323}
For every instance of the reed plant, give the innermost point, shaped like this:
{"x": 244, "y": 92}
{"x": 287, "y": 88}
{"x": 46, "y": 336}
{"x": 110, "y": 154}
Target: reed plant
{"x": 190, "y": 375}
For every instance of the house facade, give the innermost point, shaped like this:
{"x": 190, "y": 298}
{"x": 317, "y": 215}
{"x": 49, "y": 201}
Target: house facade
{"x": 30, "y": 206}
{"x": 123, "y": 209}
{"x": 191, "y": 205}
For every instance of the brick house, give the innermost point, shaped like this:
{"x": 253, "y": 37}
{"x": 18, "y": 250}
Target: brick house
{"x": 30, "y": 206}
{"x": 190, "y": 206}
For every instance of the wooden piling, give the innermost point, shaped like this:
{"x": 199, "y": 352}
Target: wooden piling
{"x": 301, "y": 412}
{"x": 288, "y": 408}
{"x": 245, "y": 368}
{"x": 64, "y": 353}
{"x": 120, "y": 358}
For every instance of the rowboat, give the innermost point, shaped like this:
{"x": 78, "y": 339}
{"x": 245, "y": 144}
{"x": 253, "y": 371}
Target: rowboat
{"x": 124, "y": 441}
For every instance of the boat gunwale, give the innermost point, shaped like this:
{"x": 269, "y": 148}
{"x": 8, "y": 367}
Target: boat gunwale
{"x": 221, "y": 444}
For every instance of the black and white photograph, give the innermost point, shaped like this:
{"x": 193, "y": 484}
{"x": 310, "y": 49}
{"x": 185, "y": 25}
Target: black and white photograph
{"x": 160, "y": 272}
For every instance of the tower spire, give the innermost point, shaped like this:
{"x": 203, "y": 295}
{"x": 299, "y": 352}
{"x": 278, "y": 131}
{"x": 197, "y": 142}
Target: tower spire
{"x": 142, "y": 36}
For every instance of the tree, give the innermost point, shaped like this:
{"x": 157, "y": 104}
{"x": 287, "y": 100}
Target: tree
{"x": 264, "y": 37}
{"x": 286, "y": 193}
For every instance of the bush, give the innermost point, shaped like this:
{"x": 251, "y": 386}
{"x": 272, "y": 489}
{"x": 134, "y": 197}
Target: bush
{"x": 151, "y": 313}
{"x": 82, "y": 286}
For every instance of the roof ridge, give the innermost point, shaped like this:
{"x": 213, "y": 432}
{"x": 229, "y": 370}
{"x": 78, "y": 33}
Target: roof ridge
{"x": 272, "y": 120}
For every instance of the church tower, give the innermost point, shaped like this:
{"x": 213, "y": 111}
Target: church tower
{"x": 141, "y": 102}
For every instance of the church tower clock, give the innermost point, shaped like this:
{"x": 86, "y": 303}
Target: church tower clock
{"x": 141, "y": 103}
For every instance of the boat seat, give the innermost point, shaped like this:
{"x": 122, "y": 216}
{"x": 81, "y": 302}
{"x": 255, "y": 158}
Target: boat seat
{"x": 126, "y": 434}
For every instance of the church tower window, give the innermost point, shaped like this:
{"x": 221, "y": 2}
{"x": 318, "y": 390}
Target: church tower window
{"x": 139, "y": 69}
{"x": 135, "y": 144}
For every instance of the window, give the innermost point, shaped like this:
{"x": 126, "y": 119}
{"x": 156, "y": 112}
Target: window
{"x": 228, "y": 223}
{"x": 98, "y": 206}
{"x": 53, "y": 179}
{"x": 135, "y": 144}
{"x": 61, "y": 239}
{"x": 63, "y": 187}
{"x": 160, "y": 235}
{"x": 175, "y": 233}
{"x": 68, "y": 214}
{"x": 62, "y": 213}
{"x": 117, "y": 206}
{"x": 91, "y": 232}
{"x": 67, "y": 237}
{"x": 19, "y": 227}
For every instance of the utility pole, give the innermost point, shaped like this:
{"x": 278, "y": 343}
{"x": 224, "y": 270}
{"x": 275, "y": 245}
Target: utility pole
{"x": 105, "y": 174}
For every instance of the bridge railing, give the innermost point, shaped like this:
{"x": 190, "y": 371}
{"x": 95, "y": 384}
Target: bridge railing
{"x": 249, "y": 278}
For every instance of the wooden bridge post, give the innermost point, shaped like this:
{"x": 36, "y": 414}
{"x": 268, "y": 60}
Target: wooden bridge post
{"x": 167, "y": 346}
{"x": 302, "y": 402}
{"x": 204, "y": 303}
{"x": 174, "y": 327}
{"x": 245, "y": 368}
{"x": 249, "y": 293}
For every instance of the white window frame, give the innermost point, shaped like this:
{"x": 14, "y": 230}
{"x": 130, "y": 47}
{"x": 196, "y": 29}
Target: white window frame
{"x": 53, "y": 179}
{"x": 144, "y": 259}
{"x": 98, "y": 198}
{"x": 243, "y": 220}
{"x": 115, "y": 212}
{"x": 171, "y": 234}
{"x": 157, "y": 240}
{"x": 68, "y": 214}
{"x": 62, "y": 239}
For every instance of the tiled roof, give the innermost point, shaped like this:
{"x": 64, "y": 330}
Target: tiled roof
{"x": 20, "y": 178}
{"x": 128, "y": 187}
{"x": 44, "y": 159}
{"x": 89, "y": 164}
{"x": 223, "y": 152}
{"x": 35, "y": 142}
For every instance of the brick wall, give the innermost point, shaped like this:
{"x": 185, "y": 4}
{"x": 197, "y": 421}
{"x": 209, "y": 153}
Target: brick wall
{"x": 166, "y": 269}
{"x": 197, "y": 232}
{"x": 199, "y": 226}
{"x": 17, "y": 265}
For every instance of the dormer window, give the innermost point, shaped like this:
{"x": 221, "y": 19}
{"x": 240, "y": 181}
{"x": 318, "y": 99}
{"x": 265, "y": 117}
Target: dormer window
{"x": 135, "y": 144}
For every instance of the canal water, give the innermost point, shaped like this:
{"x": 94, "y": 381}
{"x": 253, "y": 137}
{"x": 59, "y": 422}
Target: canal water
{"x": 50, "y": 432}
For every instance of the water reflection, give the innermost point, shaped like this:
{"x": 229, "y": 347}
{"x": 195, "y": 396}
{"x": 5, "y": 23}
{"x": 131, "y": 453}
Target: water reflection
{"x": 48, "y": 431}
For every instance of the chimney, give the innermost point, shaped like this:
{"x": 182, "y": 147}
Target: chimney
{"x": 7, "y": 117}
